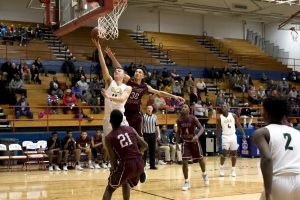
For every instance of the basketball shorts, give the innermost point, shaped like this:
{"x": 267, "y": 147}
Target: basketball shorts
{"x": 135, "y": 120}
{"x": 107, "y": 126}
{"x": 229, "y": 142}
{"x": 285, "y": 187}
{"x": 127, "y": 171}
{"x": 191, "y": 150}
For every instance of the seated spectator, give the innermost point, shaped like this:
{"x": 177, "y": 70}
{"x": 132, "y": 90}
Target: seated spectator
{"x": 69, "y": 101}
{"x": 176, "y": 88}
{"x": 95, "y": 86}
{"x": 172, "y": 140}
{"x": 54, "y": 85}
{"x": 246, "y": 113}
{"x": 39, "y": 65}
{"x": 261, "y": 93}
{"x": 283, "y": 86}
{"x": 38, "y": 32}
{"x": 87, "y": 97}
{"x": 25, "y": 72}
{"x": 94, "y": 101}
{"x": 210, "y": 112}
{"x": 189, "y": 83}
{"x": 7, "y": 97}
{"x": 16, "y": 86}
{"x": 214, "y": 74}
{"x": 76, "y": 90}
{"x": 68, "y": 67}
{"x": 200, "y": 111}
{"x": 264, "y": 78}
{"x": 77, "y": 75}
{"x": 293, "y": 76}
{"x": 293, "y": 93}
{"x": 54, "y": 148}
{"x": 225, "y": 72}
{"x": 68, "y": 145}
{"x": 159, "y": 102}
{"x": 53, "y": 101}
{"x": 12, "y": 72}
{"x": 194, "y": 96}
{"x": 271, "y": 86}
{"x": 168, "y": 87}
{"x": 201, "y": 87}
{"x": 175, "y": 75}
{"x": 22, "y": 108}
{"x": 84, "y": 86}
{"x": 233, "y": 104}
{"x": 252, "y": 96}
{"x": 220, "y": 99}
{"x": 98, "y": 148}
{"x": 83, "y": 143}
{"x": 35, "y": 75}
{"x": 5, "y": 68}
{"x": 154, "y": 80}
{"x": 164, "y": 146}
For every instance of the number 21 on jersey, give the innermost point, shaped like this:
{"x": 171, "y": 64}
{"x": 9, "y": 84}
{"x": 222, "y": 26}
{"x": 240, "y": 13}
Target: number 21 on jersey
{"x": 124, "y": 140}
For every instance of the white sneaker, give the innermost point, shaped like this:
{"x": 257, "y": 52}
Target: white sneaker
{"x": 97, "y": 166}
{"x": 205, "y": 178}
{"x": 233, "y": 173}
{"x": 221, "y": 171}
{"x": 108, "y": 165}
{"x": 104, "y": 166}
{"x": 160, "y": 162}
{"x": 65, "y": 168}
{"x": 57, "y": 168}
{"x": 91, "y": 166}
{"x": 50, "y": 168}
{"x": 78, "y": 167}
{"x": 186, "y": 186}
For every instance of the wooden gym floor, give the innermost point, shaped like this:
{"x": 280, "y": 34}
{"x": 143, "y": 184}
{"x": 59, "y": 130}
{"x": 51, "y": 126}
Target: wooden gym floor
{"x": 162, "y": 184}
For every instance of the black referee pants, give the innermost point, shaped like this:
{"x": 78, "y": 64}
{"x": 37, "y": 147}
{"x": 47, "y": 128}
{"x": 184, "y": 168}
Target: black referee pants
{"x": 150, "y": 138}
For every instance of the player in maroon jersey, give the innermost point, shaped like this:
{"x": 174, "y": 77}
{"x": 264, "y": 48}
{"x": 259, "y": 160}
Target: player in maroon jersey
{"x": 126, "y": 158}
{"x": 191, "y": 148}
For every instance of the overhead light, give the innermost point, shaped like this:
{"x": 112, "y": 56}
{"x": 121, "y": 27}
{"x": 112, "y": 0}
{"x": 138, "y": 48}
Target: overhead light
{"x": 290, "y": 2}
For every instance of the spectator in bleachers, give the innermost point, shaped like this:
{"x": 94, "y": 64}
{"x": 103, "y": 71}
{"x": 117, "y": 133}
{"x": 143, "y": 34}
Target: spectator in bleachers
{"x": 94, "y": 101}
{"x": 35, "y": 77}
{"x": 220, "y": 99}
{"x": 236, "y": 71}
{"x": 12, "y": 29}
{"x": 293, "y": 93}
{"x": 17, "y": 86}
{"x": 83, "y": 143}
{"x": 200, "y": 111}
{"x": 25, "y": 72}
{"x": 76, "y": 90}
{"x": 77, "y": 75}
{"x": 246, "y": 113}
{"x": 3, "y": 29}
{"x": 98, "y": 148}
{"x": 172, "y": 140}
{"x": 23, "y": 37}
{"x": 22, "y": 108}
{"x": 53, "y": 100}
{"x": 54, "y": 85}
{"x": 168, "y": 87}
{"x": 131, "y": 69}
{"x": 270, "y": 87}
{"x": 175, "y": 75}
{"x": 69, "y": 100}
{"x": 95, "y": 86}
{"x": 225, "y": 72}
{"x": 261, "y": 93}
{"x": 68, "y": 67}
{"x": 283, "y": 86}
{"x": 12, "y": 72}
{"x": 210, "y": 112}
{"x": 164, "y": 146}
{"x": 69, "y": 147}
{"x": 176, "y": 88}
{"x": 194, "y": 96}
{"x": 84, "y": 86}
{"x": 214, "y": 74}
{"x": 264, "y": 78}
{"x": 154, "y": 80}
{"x": 233, "y": 104}
{"x": 38, "y": 32}
{"x": 189, "y": 82}
{"x": 293, "y": 76}
{"x": 54, "y": 148}
{"x": 201, "y": 86}
{"x": 159, "y": 102}
{"x": 252, "y": 96}
{"x": 5, "y": 67}
{"x": 39, "y": 65}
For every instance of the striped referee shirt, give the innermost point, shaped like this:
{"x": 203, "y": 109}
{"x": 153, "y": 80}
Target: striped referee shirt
{"x": 149, "y": 123}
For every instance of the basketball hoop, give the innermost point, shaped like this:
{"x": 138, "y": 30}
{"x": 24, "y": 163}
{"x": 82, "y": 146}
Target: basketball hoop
{"x": 108, "y": 24}
{"x": 294, "y": 34}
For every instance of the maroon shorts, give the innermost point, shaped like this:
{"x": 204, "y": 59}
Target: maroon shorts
{"x": 127, "y": 171}
{"x": 191, "y": 150}
{"x": 135, "y": 121}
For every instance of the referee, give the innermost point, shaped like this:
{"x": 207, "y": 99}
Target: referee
{"x": 150, "y": 128}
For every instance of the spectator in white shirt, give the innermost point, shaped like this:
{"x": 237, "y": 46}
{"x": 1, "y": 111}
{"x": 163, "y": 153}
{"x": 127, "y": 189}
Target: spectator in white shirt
{"x": 201, "y": 86}
{"x": 84, "y": 86}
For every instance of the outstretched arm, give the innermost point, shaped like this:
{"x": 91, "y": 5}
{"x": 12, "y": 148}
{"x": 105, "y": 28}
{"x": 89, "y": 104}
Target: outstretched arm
{"x": 261, "y": 138}
{"x": 163, "y": 93}
{"x": 115, "y": 62}
{"x": 107, "y": 78}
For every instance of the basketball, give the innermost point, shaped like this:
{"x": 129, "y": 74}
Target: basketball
{"x": 94, "y": 33}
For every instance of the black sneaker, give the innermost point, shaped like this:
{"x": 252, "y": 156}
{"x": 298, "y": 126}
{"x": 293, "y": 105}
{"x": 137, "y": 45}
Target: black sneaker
{"x": 143, "y": 177}
{"x": 153, "y": 168}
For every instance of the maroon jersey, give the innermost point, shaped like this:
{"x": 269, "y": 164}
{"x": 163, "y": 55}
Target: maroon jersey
{"x": 82, "y": 142}
{"x": 97, "y": 139}
{"x": 187, "y": 126}
{"x": 135, "y": 99}
{"x": 124, "y": 143}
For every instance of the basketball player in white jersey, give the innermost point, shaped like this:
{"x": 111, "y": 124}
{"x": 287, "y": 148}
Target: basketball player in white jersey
{"x": 115, "y": 93}
{"x": 227, "y": 121}
{"x": 279, "y": 147}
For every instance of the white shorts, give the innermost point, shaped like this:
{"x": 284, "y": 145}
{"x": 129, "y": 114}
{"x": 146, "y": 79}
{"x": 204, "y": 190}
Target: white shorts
{"x": 107, "y": 126}
{"x": 285, "y": 187}
{"x": 229, "y": 142}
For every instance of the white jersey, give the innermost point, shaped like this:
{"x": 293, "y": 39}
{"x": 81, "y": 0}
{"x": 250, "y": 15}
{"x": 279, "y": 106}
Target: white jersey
{"x": 114, "y": 90}
{"x": 228, "y": 124}
{"x": 285, "y": 149}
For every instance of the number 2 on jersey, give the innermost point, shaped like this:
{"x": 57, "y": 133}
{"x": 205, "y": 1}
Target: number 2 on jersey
{"x": 124, "y": 140}
{"x": 288, "y": 137}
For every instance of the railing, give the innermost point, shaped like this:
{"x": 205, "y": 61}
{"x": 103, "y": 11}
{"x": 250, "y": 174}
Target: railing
{"x": 165, "y": 113}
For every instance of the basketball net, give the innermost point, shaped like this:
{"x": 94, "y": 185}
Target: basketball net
{"x": 108, "y": 24}
{"x": 294, "y": 34}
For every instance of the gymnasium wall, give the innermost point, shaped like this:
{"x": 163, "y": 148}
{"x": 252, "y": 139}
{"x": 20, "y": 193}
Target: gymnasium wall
{"x": 15, "y": 10}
